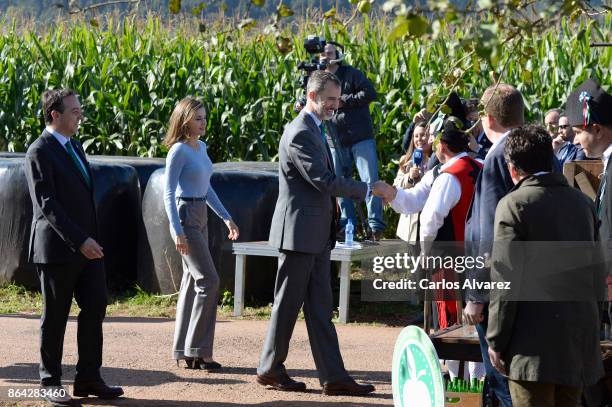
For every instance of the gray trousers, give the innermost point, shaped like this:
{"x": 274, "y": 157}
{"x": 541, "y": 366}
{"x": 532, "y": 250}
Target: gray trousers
{"x": 196, "y": 310}
{"x": 303, "y": 279}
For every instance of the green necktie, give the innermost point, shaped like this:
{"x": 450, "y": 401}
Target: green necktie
{"x": 323, "y": 132}
{"x": 73, "y": 155}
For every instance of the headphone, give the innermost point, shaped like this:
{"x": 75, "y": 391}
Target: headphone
{"x": 339, "y": 52}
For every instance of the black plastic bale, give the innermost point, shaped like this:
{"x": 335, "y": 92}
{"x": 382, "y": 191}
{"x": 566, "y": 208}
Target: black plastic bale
{"x": 248, "y": 191}
{"x": 15, "y": 223}
{"x": 117, "y": 198}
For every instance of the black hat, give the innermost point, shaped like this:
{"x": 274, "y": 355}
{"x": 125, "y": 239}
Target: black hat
{"x": 589, "y": 104}
{"x": 456, "y": 107}
{"x": 452, "y": 134}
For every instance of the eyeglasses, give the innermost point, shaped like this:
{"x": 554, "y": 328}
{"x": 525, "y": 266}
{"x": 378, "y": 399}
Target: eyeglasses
{"x": 563, "y": 126}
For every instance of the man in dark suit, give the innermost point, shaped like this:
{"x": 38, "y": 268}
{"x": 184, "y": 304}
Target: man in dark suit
{"x": 543, "y": 331}
{"x": 503, "y": 110}
{"x": 303, "y": 229}
{"x": 63, "y": 247}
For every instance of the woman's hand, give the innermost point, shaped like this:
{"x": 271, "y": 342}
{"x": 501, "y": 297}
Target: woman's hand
{"x": 181, "y": 244}
{"x": 233, "y": 229}
{"x": 414, "y": 173}
{"x": 402, "y": 163}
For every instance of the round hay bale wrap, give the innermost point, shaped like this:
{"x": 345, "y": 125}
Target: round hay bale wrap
{"x": 249, "y": 192}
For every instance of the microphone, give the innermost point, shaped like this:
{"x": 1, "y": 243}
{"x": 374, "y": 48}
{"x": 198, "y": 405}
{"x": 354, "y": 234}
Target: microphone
{"x": 417, "y": 157}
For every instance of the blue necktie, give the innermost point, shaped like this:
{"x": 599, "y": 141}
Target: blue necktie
{"x": 73, "y": 155}
{"x": 323, "y": 132}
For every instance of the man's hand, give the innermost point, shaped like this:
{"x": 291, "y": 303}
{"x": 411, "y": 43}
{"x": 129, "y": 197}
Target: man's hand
{"x": 557, "y": 142}
{"x": 385, "y": 191}
{"x": 91, "y": 249}
{"x": 422, "y": 116}
{"x": 181, "y": 244}
{"x": 472, "y": 314}
{"x": 298, "y": 106}
{"x": 497, "y": 361}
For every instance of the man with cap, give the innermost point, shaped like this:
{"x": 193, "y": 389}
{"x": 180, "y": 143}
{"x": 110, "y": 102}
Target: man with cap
{"x": 443, "y": 206}
{"x": 444, "y": 196}
{"x": 589, "y": 112}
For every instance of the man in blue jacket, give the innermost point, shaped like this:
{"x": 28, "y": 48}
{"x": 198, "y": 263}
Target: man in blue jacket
{"x": 503, "y": 110}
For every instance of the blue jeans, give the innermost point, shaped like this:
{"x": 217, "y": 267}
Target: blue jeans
{"x": 363, "y": 154}
{"x": 497, "y": 382}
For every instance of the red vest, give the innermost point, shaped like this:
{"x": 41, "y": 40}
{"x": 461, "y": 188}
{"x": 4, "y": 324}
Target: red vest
{"x": 466, "y": 171}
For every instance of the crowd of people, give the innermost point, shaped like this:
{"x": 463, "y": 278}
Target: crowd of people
{"x": 479, "y": 174}
{"x": 517, "y": 194}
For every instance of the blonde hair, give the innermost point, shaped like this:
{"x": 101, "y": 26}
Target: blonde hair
{"x": 178, "y": 129}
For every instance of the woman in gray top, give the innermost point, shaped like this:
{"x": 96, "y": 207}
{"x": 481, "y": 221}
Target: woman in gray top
{"x": 187, "y": 193}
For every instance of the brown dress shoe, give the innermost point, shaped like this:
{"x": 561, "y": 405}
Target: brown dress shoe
{"x": 96, "y": 388}
{"x": 282, "y": 382}
{"x": 348, "y": 387}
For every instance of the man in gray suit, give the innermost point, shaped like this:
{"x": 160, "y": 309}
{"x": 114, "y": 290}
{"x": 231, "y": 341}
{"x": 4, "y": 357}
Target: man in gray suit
{"x": 303, "y": 229}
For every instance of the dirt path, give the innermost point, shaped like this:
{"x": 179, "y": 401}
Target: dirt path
{"x": 137, "y": 356}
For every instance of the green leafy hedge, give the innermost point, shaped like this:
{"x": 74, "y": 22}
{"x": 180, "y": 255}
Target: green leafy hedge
{"x": 130, "y": 77}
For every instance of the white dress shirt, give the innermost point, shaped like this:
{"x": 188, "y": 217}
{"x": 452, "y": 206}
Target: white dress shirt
{"x": 434, "y": 198}
{"x": 499, "y": 140}
{"x": 606, "y": 156}
{"x": 314, "y": 117}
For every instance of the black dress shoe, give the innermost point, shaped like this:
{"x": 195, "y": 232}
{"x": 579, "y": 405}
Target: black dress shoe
{"x": 348, "y": 387}
{"x": 56, "y": 396}
{"x": 96, "y": 388}
{"x": 282, "y": 382}
{"x": 199, "y": 363}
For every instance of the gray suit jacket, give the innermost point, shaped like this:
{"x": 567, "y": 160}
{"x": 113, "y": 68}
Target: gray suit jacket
{"x": 304, "y": 217}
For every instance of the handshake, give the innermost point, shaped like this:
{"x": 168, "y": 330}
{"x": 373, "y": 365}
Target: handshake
{"x": 385, "y": 191}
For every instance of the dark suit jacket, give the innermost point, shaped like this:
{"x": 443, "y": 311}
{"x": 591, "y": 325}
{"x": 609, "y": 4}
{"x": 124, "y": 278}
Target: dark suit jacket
{"x": 547, "y": 254}
{"x": 604, "y": 206}
{"x": 304, "y": 216}
{"x": 492, "y": 184}
{"x": 64, "y": 213}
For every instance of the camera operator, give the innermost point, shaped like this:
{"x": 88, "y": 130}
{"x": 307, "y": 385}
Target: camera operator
{"x": 355, "y": 136}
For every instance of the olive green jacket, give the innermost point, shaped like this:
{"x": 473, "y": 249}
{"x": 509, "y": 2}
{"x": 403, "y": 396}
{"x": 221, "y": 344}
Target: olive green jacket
{"x": 547, "y": 247}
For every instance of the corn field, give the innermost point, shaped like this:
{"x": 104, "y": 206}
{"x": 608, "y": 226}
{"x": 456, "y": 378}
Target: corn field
{"x": 130, "y": 76}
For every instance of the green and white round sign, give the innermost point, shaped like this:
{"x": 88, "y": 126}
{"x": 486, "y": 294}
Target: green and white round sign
{"x": 416, "y": 375}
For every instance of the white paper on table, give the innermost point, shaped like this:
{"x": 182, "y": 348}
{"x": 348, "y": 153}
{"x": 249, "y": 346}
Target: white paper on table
{"x": 342, "y": 245}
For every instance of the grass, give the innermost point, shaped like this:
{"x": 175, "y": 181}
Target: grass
{"x": 135, "y": 302}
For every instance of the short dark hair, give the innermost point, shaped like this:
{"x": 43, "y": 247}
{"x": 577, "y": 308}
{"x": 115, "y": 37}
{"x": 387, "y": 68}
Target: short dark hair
{"x": 455, "y": 138}
{"x": 54, "y": 100}
{"x": 318, "y": 80}
{"x": 505, "y": 103}
{"x": 529, "y": 149}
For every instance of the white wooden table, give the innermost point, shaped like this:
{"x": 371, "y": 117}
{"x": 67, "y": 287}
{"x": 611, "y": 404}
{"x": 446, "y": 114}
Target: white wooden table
{"x": 344, "y": 255}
